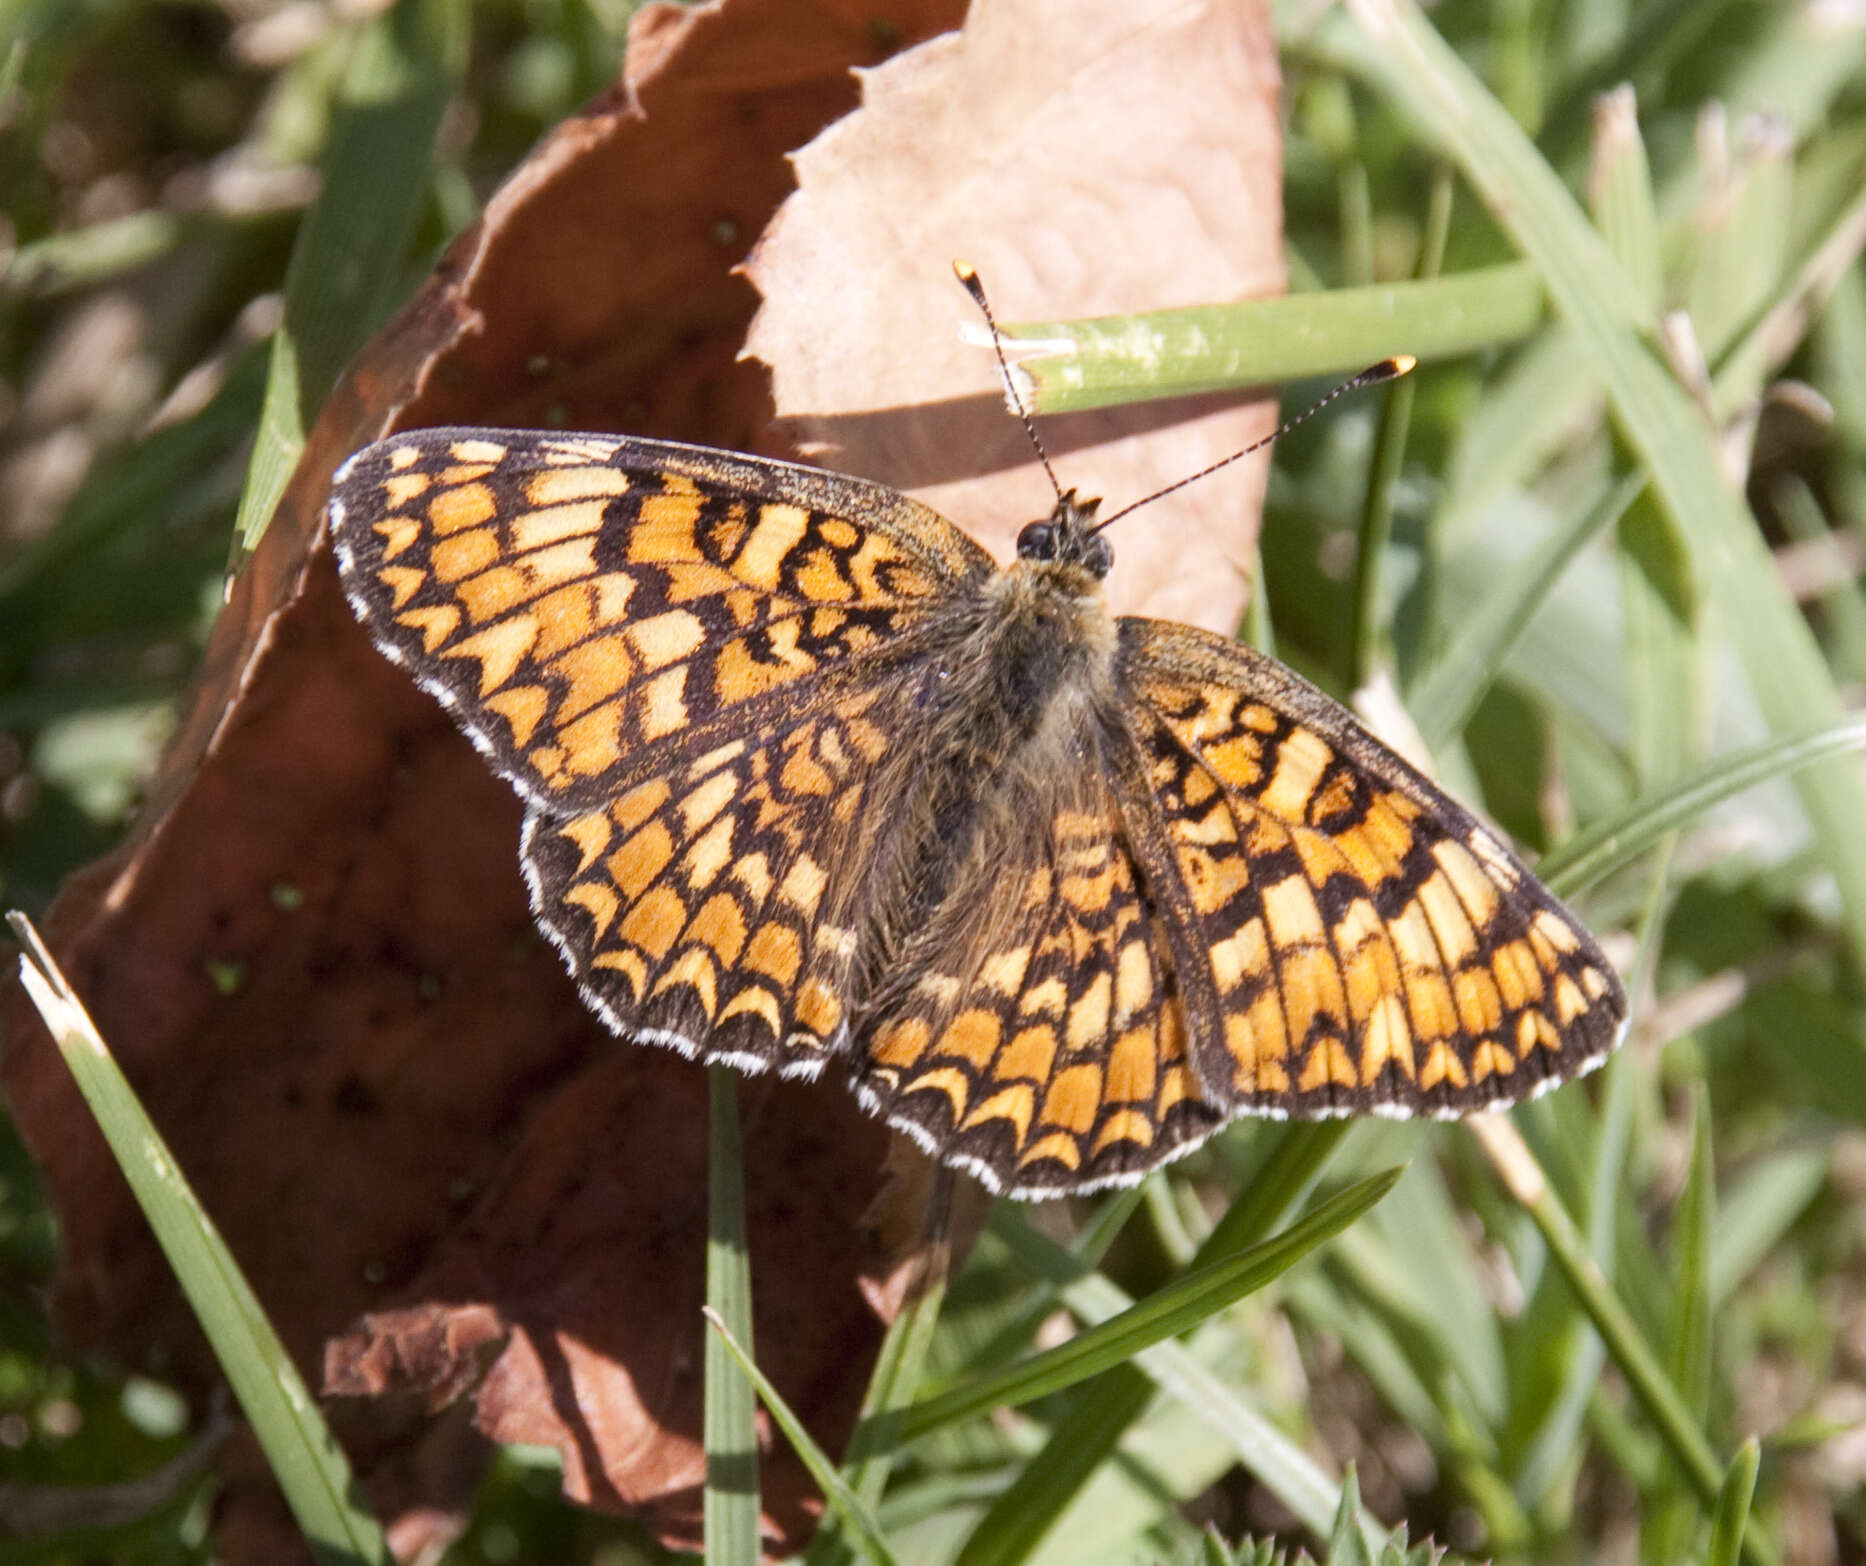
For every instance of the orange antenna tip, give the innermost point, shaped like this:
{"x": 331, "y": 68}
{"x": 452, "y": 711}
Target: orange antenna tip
{"x": 1402, "y": 364}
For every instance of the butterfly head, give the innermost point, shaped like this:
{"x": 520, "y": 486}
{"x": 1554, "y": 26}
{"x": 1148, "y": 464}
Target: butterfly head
{"x": 1068, "y": 536}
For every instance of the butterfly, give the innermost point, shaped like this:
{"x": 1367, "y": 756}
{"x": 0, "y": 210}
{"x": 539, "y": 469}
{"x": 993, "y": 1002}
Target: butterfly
{"x": 810, "y": 778}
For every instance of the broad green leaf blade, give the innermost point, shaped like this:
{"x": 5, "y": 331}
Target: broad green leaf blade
{"x": 729, "y": 1506}
{"x": 1174, "y": 1309}
{"x": 862, "y": 1529}
{"x": 306, "y": 1460}
{"x": 375, "y": 176}
{"x": 1068, "y": 366}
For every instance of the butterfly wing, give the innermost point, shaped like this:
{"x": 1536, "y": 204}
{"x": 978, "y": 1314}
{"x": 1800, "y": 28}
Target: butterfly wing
{"x": 1351, "y": 940}
{"x": 690, "y": 666}
{"x": 597, "y": 610}
{"x": 1040, "y": 1041}
{"x": 707, "y": 908}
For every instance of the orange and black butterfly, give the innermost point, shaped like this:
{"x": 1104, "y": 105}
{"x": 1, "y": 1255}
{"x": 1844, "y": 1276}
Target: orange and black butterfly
{"x": 809, "y": 778}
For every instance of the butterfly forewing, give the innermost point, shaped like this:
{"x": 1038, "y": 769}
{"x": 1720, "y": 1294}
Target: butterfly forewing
{"x": 1371, "y": 947}
{"x": 594, "y": 608}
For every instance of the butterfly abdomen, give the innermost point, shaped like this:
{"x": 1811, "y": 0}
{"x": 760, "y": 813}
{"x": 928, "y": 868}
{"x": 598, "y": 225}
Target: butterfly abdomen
{"x": 1011, "y": 699}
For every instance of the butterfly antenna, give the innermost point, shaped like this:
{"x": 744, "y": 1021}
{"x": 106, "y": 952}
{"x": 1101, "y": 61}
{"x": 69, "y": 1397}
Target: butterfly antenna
{"x": 968, "y": 276}
{"x": 1386, "y": 370}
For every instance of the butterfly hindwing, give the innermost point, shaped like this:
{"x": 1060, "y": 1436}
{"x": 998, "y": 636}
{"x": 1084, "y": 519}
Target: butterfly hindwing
{"x": 1044, "y": 1049}
{"x": 1367, "y": 945}
{"x": 592, "y": 608}
{"x": 697, "y": 909}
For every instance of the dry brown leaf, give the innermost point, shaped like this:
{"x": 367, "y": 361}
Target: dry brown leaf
{"x": 1088, "y": 159}
{"x": 389, "y": 1115}
{"x": 444, "y": 1179}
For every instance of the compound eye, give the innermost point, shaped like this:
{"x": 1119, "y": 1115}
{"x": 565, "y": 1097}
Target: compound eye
{"x": 1037, "y": 542}
{"x": 1100, "y": 557}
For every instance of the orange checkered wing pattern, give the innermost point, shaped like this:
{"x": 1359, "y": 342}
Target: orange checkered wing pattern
{"x": 712, "y": 909}
{"x": 1056, "y": 1058}
{"x": 593, "y": 609}
{"x": 684, "y": 661}
{"x": 1350, "y": 940}
{"x": 807, "y": 776}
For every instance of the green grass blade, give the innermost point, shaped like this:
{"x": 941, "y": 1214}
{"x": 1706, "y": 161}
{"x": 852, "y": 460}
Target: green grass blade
{"x": 1448, "y": 691}
{"x": 729, "y": 1505}
{"x": 96, "y": 254}
{"x": 1014, "y": 1335}
{"x": 1740, "y": 241}
{"x": 1067, "y": 366}
{"x": 1609, "y": 844}
{"x": 142, "y": 488}
{"x": 1760, "y": 1208}
{"x": 1015, "y": 1526}
{"x": 860, "y": 1524}
{"x": 1176, "y": 1308}
{"x": 1414, "y": 66}
{"x": 1671, "y": 1519}
{"x": 1388, "y": 464}
{"x": 1744, "y": 371}
{"x": 1295, "y": 1158}
{"x": 1730, "y": 1521}
{"x": 1289, "y": 1171}
{"x": 1795, "y": 68}
{"x": 306, "y": 1460}
{"x": 1111, "y": 1408}
{"x": 1620, "y": 192}
{"x": 1691, "y": 1250}
{"x": 1528, "y": 415}
{"x": 1843, "y": 607}
{"x": 891, "y": 1387}
{"x": 1644, "y": 1373}
{"x": 375, "y": 177}
{"x": 1665, "y": 647}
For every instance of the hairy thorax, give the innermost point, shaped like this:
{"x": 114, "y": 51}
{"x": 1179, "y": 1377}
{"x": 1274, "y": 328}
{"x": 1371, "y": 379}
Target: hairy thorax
{"x": 1017, "y": 703}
